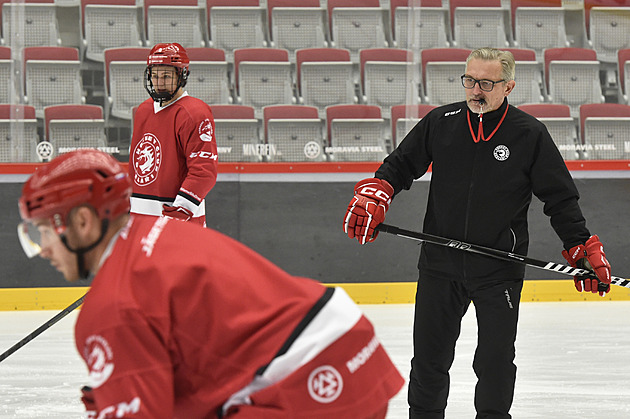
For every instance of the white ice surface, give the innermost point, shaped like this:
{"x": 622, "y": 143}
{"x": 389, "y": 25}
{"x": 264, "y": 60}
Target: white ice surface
{"x": 571, "y": 360}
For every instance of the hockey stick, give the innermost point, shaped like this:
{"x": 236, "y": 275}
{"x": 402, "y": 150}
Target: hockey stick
{"x": 42, "y": 328}
{"x": 498, "y": 254}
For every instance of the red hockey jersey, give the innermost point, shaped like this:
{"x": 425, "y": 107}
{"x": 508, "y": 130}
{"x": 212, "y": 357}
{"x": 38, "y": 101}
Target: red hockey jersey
{"x": 185, "y": 329}
{"x": 173, "y": 156}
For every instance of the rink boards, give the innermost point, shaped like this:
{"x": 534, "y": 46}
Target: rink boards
{"x": 293, "y": 216}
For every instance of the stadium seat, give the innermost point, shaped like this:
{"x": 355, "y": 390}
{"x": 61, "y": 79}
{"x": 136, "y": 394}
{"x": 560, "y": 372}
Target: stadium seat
{"x": 262, "y": 77}
{"x": 608, "y": 29}
{"x": 297, "y": 24}
{"x": 356, "y": 25}
{"x": 355, "y": 133}
{"x": 539, "y": 24}
{"x": 389, "y": 77}
{"x": 623, "y": 61}
{"x": 605, "y": 130}
{"x": 608, "y": 26}
{"x": 479, "y": 23}
{"x": 124, "y": 80}
{"x": 442, "y": 69}
{"x": 572, "y": 76}
{"x": 528, "y": 76}
{"x": 69, "y": 127}
{"x": 429, "y": 20}
{"x": 293, "y": 133}
{"x": 561, "y": 126}
{"x": 404, "y": 118}
{"x": 109, "y": 24}
{"x": 236, "y": 24}
{"x": 208, "y": 79}
{"x": 18, "y": 134}
{"x": 181, "y": 21}
{"x": 237, "y": 133}
{"x": 325, "y": 77}
{"x": 39, "y": 19}
{"x": 52, "y": 77}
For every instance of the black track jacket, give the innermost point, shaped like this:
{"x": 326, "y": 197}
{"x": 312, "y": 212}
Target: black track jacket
{"x": 480, "y": 192}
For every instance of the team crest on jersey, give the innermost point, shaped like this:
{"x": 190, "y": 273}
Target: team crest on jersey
{"x": 146, "y": 160}
{"x": 325, "y": 384}
{"x": 99, "y": 358}
{"x": 205, "y": 130}
{"x": 501, "y": 152}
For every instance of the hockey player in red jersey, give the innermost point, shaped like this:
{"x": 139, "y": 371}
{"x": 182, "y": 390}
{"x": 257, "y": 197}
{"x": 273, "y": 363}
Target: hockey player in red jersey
{"x": 173, "y": 153}
{"x": 201, "y": 328}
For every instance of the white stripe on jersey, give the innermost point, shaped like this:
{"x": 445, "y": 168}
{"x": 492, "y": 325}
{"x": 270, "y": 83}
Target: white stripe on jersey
{"x": 336, "y": 318}
{"x": 154, "y": 207}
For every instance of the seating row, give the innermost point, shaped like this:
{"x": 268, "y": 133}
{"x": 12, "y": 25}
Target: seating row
{"x": 601, "y": 132}
{"x": 349, "y": 24}
{"x": 66, "y": 127}
{"x": 359, "y": 133}
{"x": 383, "y": 77}
{"x": 320, "y": 78}
{"x": 294, "y": 133}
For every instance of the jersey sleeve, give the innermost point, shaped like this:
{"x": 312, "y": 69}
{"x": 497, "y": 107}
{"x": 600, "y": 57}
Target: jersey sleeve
{"x": 129, "y": 371}
{"x": 199, "y": 145}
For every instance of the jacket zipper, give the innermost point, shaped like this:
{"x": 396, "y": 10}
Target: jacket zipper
{"x": 468, "y": 205}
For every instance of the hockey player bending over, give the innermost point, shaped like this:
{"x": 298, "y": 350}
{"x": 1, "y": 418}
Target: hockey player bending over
{"x": 176, "y": 328}
{"x": 173, "y": 153}
{"x": 488, "y": 159}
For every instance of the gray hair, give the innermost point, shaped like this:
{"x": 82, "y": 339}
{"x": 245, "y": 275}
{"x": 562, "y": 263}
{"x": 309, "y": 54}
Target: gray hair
{"x": 492, "y": 54}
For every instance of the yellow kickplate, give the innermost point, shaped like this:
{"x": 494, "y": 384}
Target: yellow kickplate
{"x": 58, "y": 298}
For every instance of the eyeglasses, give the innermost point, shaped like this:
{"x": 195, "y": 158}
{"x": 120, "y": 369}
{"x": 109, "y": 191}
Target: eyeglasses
{"x": 485, "y": 85}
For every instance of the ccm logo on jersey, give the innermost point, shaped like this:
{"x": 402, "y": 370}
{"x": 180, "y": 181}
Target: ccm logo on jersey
{"x": 204, "y": 155}
{"x": 378, "y": 193}
{"x": 120, "y": 410}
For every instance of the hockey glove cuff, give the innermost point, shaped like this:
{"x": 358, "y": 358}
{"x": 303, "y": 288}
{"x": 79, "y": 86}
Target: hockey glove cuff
{"x": 177, "y": 213}
{"x": 367, "y": 209}
{"x": 182, "y": 209}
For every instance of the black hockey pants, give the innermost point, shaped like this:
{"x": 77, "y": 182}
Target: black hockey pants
{"x": 440, "y": 306}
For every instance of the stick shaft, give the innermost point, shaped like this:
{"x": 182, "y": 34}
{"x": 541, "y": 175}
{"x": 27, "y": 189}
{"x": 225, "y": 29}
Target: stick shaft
{"x": 41, "y": 328}
{"x": 495, "y": 253}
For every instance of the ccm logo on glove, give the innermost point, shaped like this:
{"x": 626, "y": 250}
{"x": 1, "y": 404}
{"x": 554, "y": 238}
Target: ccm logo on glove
{"x": 376, "y": 193}
{"x": 367, "y": 209}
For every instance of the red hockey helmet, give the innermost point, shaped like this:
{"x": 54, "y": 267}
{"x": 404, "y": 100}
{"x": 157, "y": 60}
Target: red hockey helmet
{"x": 84, "y": 176}
{"x": 172, "y": 55}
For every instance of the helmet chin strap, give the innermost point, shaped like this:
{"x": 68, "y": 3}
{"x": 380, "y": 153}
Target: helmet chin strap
{"x": 162, "y": 97}
{"x": 81, "y": 251}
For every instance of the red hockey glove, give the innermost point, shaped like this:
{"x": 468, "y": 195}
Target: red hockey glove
{"x": 367, "y": 209}
{"x": 178, "y": 213}
{"x": 590, "y": 256}
{"x": 87, "y": 397}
